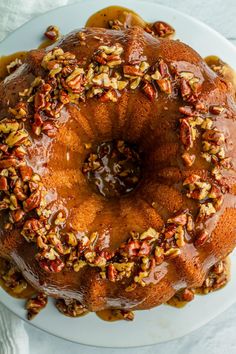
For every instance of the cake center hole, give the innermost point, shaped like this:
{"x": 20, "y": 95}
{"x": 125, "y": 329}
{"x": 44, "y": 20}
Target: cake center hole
{"x": 113, "y": 168}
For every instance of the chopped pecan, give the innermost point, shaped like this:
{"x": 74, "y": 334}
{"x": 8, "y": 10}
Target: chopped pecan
{"x": 75, "y": 81}
{"x": 109, "y": 95}
{"x": 185, "y": 89}
{"x": 31, "y": 229}
{"x": 170, "y": 231}
{"x": 165, "y": 85}
{"x": 3, "y": 184}
{"x": 201, "y": 238}
{"x": 64, "y": 97}
{"x": 187, "y": 110}
{"x": 149, "y": 91}
{"x": 49, "y": 129}
{"x": 163, "y": 68}
{"x": 8, "y": 162}
{"x": 111, "y": 272}
{"x": 71, "y": 308}
{"x": 215, "y": 192}
{"x": 186, "y": 134}
{"x": 132, "y": 248}
{"x": 35, "y": 305}
{"x": 216, "y": 109}
{"x": 162, "y": 29}
{"x": 39, "y": 101}
{"x": 159, "y": 254}
{"x": 132, "y": 70}
{"x": 206, "y": 210}
{"x": 52, "y": 266}
{"x": 17, "y": 138}
{"x": 14, "y": 65}
{"x": 145, "y": 249}
{"x": 7, "y": 126}
{"x": 179, "y": 219}
{"x": 17, "y": 215}
{"x": 123, "y": 314}
{"x": 213, "y": 135}
{"x": 115, "y": 24}
{"x": 188, "y": 159}
{"x": 20, "y": 111}
{"x": 26, "y": 173}
{"x": 32, "y": 202}
{"x": 186, "y": 295}
{"x": 52, "y": 33}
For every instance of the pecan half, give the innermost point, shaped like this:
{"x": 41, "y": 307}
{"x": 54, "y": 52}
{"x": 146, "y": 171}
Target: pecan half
{"x": 186, "y": 134}
{"x": 71, "y": 308}
{"x": 201, "y": 238}
{"x": 111, "y": 272}
{"x": 149, "y": 91}
{"x": 52, "y": 266}
{"x": 162, "y": 29}
{"x": 26, "y": 173}
{"x": 52, "y": 33}
{"x": 33, "y": 201}
{"x": 3, "y": 184}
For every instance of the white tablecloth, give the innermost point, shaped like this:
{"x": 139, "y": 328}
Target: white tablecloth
{"x": 216, "y": 337}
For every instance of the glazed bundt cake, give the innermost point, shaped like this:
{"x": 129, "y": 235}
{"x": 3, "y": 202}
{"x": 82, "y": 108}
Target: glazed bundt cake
{"x": 117, "y": 169}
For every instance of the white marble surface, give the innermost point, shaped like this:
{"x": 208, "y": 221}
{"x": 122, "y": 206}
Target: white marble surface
{"x": 216, "y": 337}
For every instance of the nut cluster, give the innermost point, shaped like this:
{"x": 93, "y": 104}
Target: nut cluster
{"x": 71, "y": 308}
{"x": 20, "y": 188}
{"x": 217, "y": 277}
{"x": 159, "y": 29}
{"x": 36, "y": 304}
{"x": 12, "y": 278}
{"x": 113, "y": 168}
{"x": 197, "y": 127}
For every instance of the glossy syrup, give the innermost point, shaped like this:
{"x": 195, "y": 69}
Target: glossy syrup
{"x": 126, "y": 16}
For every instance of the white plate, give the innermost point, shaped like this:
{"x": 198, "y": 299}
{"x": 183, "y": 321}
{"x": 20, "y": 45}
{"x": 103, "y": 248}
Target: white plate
{"x": 163, "y": 323}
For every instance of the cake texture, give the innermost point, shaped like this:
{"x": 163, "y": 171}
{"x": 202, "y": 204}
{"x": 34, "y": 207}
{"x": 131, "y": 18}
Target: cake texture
{"x": 117, "y": 169}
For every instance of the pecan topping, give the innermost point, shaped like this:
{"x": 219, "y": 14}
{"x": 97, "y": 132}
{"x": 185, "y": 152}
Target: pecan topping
{"x": 3, "y": 184}
{"x": 35, "y": 305}
{"x": 162, "y": 29}
{"x": 52, "y": 33}
{"x": 188, "y": 159}
{"x": 26, "y": 173}
{"x": 216, "y": 109}
{"x": 149, "y": 90}
{"x": 165, "y": 85}
{"x": 186, "y": 134}
{"x": 217, "y": 277}
{"x": 71, "y": 308}
{"x": 201, "y": 238}
{"x": 33, "y": 201}
{"x": 51, "y": 266}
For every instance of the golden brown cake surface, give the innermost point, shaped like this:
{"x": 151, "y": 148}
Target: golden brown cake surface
{"x": 132, "y": 250}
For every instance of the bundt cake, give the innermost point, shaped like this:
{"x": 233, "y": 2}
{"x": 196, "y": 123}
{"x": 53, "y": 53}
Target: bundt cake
{"x": 117, "y": 169}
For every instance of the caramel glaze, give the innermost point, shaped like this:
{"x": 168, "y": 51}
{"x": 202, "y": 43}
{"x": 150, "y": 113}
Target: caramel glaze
{"x": 153, "y": 127}
{"x": 25, "y": 294}
{"x": 126, "y": 16}
{"x": 223, "y": 69}
{"x": 6, "y": 60}
{"x": 46, "y": 43}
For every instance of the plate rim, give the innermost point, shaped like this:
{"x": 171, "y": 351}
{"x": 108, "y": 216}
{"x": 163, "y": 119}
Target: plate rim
{"x": 216, "y": 34}
{"x": 75, "y": 4}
